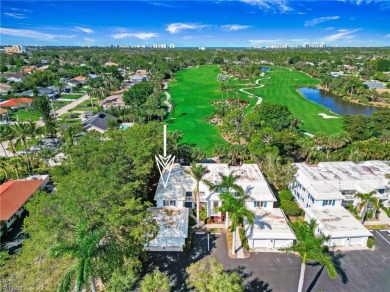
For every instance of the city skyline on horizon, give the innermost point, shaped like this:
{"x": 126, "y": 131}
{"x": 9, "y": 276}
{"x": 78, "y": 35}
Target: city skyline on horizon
{"x": 245, "y": 23}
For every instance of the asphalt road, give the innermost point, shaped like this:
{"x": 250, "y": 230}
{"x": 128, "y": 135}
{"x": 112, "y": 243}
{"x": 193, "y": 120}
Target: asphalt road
{"x": 363, "y": 270}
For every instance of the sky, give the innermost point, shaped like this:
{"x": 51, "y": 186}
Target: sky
{"x": 230, "y": 23}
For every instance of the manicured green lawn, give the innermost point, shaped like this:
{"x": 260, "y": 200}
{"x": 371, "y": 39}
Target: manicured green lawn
{"x": 281, "y": 89}
{"x": 192, "y": 93}
{"x": 71, "y": 96}
{"x": 23, "y": 116}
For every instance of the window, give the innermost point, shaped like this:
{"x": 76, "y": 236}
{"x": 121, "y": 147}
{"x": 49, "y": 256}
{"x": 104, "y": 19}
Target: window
{"x": 328, "y": 202}
{"x": 381, "y": 191}
{"x": 260, "y": 204}
{"x": 215, "y": 204}
{"x": 188, "y": 194}
{"x": 167, "y": 203}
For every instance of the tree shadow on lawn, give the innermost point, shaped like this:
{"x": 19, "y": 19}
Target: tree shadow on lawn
{"x": 175, "y": 263}
{"x": 337, "y": 263}
{"x": 255, "y": 284}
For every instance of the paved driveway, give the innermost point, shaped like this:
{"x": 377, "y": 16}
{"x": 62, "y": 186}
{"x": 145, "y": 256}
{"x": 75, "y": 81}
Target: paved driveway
{"x": 358, "y": 270}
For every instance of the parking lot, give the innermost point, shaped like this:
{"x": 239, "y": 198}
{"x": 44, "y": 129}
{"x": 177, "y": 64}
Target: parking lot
{"x": 361, "y": 270}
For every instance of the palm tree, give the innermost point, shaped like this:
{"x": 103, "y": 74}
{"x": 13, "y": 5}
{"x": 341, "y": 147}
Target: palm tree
{"x": 23, "y": 131}
{"x": 310, "y": 247}
{"x": 198, "y": 172}
{"x": 228, "y": 182}
{"x": 365, "y": 201}
{"x": 5, "y": 132}
{"x": 4, "y": 164}
{"x": 69, "y": 135}
{"x": 155, "y": 282}
{"x": 238, "y": 212}
{"x": 87, "y": 247}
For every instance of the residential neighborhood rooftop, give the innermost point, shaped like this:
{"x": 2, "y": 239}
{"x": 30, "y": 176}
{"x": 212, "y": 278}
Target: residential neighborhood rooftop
{"x": 173, "y": 222}
{"x": 14, "y": 194}
{"x": 337, "y": 222}
{"x": 269, "y": 223}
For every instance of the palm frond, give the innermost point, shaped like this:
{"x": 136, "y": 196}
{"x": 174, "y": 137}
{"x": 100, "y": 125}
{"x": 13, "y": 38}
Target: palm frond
{"x": 66, "y": 280}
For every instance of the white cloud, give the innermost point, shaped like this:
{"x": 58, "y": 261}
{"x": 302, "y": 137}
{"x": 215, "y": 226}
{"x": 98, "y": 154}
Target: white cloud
{"x": 177, "y": 27}
{"x": 141, "y": 35}
{"x": 29, "y": 33}
{"x": 20, "y": 9}
{"x": 234, "y": 27}
{"x": 341, "y": 34}
{"x": 316, "y": 21}
{"x": 272, "y": 5}
{"x": 83, "y": 29}
{"x": 15, "y": 15}
{"x": 90, "y": 40}
{"x": 264, "y": 41}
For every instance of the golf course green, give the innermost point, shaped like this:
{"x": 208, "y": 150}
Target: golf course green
{"x": 281, "y": 88}
{"x": 195, "y": 87}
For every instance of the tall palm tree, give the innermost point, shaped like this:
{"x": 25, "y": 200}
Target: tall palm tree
{"x": 238, "y": 212}
{"x": 228, "y": 183}
{"x": 365, "y": 201}
{"x": 310, "y": 247}
{"x": 155, "y": 282}
{"x": 5, "y": 132}
{"x": 4, "y": 164}
{"x": 86, "y": 249}
{"x": 198, "y": 172}
{"x": 23, "y": 131}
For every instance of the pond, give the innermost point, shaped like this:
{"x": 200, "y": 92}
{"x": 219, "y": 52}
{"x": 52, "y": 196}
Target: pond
{"x": 265, "y": 69}
{"x": 336, "y": 104}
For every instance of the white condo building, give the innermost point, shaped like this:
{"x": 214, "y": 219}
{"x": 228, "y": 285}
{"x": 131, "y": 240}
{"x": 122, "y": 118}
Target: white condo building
{"x": 270, "y": 229}
{"x": 336, "y": 183}
{"x": 322, "y": 190}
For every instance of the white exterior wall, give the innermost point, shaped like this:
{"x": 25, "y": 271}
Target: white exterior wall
{"x": 167, "y": 242}
{"x": 250, "y": 205}
{"x": 160, "y": 203}
{"x": 270, "y": 243}
{"x": 348, "y": 241}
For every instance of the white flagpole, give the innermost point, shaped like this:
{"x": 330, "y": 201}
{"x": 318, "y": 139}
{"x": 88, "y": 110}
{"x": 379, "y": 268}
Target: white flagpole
{"x": 165, "y": 140}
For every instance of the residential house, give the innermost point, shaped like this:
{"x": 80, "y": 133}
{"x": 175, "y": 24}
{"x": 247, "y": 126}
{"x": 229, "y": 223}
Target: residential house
{"x": 13, "y": 196}
{"x": 80, "y": 79}
{"x": 373, "y": 84}
{"x": 51, "y": 143}
{"x": 17, "y": 103}
{"x": 341, "y": 226}
{"x": 15, "y": 49}
{"x": 28, "y": 70}
{"x": 99, "y": 122}
{"x": 336, "y": 183}
{"x": 270, "y": 229}
{"x": 12, "y": 77}
{"x": 173, "y": 224}
{"x": 336, "y": 74}
{"x": 113, "y": 101}
{"x": 138, "y": 78}
{"x": 42, "y": 91}
{"x": 72, "y": 83}
{"x": 108, "y": 64}
{"x": 3, "y": 115}
{"x": 142, "y": 72}
{"x": 5, "y": 89}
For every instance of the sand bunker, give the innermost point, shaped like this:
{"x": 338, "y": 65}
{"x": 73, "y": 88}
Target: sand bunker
{"x": 325, "y": 116}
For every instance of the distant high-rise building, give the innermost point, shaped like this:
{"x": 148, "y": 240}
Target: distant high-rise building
{"x": 171, "y": 46}
{"x": 202, "y": 48}
{"x": 15, "y": 49}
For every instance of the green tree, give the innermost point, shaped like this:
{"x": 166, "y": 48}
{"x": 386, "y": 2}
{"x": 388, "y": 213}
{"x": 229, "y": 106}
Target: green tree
{"x": 43, "y": 106}
{"x": 365, "y": 201}
{"x": 155, "y": 282}
{"x": 24, "y": 131}
{"x": 236, "y": 208}
{"x": 207, "y": 275}
{"x": 86, "y": 250}
{"x": 198, "y": 172}
{"x": 310, "y": 247}
{"x": 278, "y": 173}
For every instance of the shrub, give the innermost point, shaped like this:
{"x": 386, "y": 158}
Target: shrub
{"x": 286, "y": 195}
{"x": 370, "y": 214}
{"x": 188, "y": 245}
{"x": 290, "y": 208}
{"x": 243, "y": 238}
{"x": 192, "y": 221}
{"x": 202, "y": 213}
{"x": 370, "y": 242}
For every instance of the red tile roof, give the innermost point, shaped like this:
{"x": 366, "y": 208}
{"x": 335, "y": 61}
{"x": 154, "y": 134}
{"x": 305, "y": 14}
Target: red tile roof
{"x": 14, "y": 102}
{"x": 14, "y": 194}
